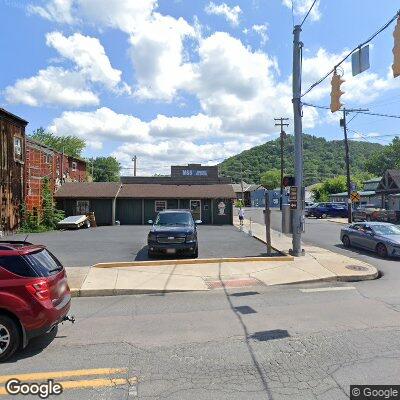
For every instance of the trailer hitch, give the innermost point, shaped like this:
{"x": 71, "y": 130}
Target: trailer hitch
{"x": 69, "y": 318}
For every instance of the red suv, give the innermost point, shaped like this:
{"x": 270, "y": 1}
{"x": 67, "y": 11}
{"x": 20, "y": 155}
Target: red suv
{"x": 34, "y": 294}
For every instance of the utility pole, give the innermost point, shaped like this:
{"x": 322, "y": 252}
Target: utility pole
{"x": 346, "y": 145}
{"x": 134, "y": 159}
{"x": 298, "y": 218}
{"x": 282, "y": 137}
{"x": 241, "y": 182}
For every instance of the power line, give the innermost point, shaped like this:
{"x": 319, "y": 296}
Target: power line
{"x": 352, "y": 51}
{"x": 312, "y": 6}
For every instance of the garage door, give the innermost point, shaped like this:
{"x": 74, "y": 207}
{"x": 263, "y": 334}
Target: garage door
{"x": 129, "y": 211}
{"x": 102, "y": 211}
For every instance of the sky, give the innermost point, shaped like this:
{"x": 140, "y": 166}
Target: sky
{"x": 184, "y": 81}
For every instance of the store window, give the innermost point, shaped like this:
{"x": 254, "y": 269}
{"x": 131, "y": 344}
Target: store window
{"x": 160, "y": 205}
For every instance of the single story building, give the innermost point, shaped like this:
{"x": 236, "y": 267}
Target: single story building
{"x": 368, "y": 194}
{"x": 135, "y": 200}
{"x": 389, "y": 190}
{"x": 243, "y": 191}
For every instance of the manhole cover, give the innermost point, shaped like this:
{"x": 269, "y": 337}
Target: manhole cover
{"x": 356, "y": 267}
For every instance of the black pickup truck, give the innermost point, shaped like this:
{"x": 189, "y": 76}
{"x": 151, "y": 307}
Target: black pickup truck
{"x": 173, "y": 232}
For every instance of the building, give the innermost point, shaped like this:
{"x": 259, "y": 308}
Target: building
{"x": 136, "y": 200}
{"x": 389, "y": 190}
{"x": 44, "y": 162}
{"x": 368, "y": 195}
{"x": 12, "y": 160}
{"x": 243, "y": 191}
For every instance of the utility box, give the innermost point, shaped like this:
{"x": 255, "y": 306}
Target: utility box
{"x": 287, "y": 222}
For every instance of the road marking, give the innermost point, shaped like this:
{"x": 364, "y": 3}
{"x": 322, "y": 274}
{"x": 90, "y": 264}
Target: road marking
{"x": 90, "y": 383}
{"x": 40, "y": 376}
{"x": 327, "y": 289}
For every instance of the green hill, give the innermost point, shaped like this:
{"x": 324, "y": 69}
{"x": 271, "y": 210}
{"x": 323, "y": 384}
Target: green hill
{"x": 322, "y": 159}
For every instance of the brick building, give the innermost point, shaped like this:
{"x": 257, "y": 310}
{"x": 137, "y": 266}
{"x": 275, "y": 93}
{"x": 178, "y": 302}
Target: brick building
{"x": 42, "y": 161}
{"x": 12, "y": 159}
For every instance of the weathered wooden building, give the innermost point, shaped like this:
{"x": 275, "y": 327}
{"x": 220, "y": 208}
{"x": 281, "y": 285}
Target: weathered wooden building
{"x": 12, "y": 160}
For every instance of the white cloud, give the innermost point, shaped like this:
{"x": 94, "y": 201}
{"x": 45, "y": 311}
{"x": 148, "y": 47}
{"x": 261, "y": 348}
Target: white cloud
{"x": 100, "y": 125}
{"x": 126, "y": 15}
{"x": 262, "y": 31}
{"x": 158, "y": 57}
{"x": 301, "y": 7}
{"x": 231, "y": 14}
{"x": 359, "y": 89}
{"x": 89, "y": 56}
{"x": 55, "y": 10}
{"x": 52, "y": 86}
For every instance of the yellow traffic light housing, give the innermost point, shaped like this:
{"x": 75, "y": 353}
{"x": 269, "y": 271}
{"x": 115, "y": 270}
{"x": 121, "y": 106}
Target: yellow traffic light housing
{"x": 396, "y": 50}
{"x": 336, "y": 92}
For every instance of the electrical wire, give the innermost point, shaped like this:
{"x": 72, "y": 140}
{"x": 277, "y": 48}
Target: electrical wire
{"x": 308, "y": 13}
{"x": 351, "y": 52}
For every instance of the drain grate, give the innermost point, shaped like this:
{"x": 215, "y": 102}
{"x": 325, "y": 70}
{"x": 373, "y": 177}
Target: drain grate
{"x": 356, "y": 267}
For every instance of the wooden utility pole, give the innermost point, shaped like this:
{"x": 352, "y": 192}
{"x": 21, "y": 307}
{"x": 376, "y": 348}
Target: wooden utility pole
{"x": 282, "y": 137}
{"x": 267, "y": 217}
{"x": 134, "y": 159}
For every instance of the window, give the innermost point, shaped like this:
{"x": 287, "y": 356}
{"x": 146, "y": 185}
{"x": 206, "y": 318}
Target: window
{"x": 17, "y": 148}
{"x": 44, "y": 263}
{"x": 82, "y": 207}
{"x": 48, "y": 159}
{"x": 160, "y": 205}
{"x": 74, "y": 166}
{"x": 17, "y": 266}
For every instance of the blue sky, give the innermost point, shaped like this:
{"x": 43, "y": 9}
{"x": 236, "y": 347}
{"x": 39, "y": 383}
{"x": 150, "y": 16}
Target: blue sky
{"x": 177, "y": 81}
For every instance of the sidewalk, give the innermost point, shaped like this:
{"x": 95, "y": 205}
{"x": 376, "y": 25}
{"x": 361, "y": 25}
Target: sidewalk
{"x": 203, "y": 275}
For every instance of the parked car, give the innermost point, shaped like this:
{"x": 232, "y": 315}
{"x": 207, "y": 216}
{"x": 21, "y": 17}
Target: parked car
{"x": 368, "y": 212}
{"x": 324, "y": 210}
{"x": 34, "y": 294}
{"x": 381, "y": 237}
{"x": 173, "y": 232}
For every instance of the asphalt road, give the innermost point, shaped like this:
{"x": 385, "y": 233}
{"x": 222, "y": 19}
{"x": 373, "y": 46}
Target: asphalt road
{"x": 78, "y": 248}
{"x": 303, "y": 342}
{"x": 275, "y": 343}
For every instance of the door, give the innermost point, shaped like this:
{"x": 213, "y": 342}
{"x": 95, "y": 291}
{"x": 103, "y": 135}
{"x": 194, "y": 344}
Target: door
{"x": 195, "y": 208}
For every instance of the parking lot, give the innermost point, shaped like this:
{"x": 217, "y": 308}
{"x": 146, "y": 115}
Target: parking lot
{"x": 128, "y": 243}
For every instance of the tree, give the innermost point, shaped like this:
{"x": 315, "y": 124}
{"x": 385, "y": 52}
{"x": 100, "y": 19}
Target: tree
{"x": 51, "y": 216}
{"x": 105, "y": 169}
{"x": 387, "y": 158}
{"x": 70, "y": 145}
{"x": 271, "y": 179}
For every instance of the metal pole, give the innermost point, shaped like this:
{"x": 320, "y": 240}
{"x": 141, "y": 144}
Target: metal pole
{"x": 134, "y": 165}
{"x": 298, "y": 135}
{"x": 346, "y": 144}
{"x": 267, "y": 217}
{"x": 241, "y": 182}
{"x": 281, "y": 124}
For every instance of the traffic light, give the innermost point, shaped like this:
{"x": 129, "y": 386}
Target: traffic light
{"x": 396, "y": 49}
{"x": 336, "y": 92}
{"x": 288, "y": 181}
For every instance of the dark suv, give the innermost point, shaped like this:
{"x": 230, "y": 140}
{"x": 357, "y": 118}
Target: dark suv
{"x": 173, "y": 232}
{"x": 34, "y": 294}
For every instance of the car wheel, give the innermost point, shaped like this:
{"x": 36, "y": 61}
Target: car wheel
{"x": 10, "y": 337}
{"x": 150, "y": 254}
{"x": 381, "y": 250}
{"x": 323, "y": 216}
{"x": 346, "y": 241}
{"x": 86, "y": 224}
{"x": 196, "y": 253}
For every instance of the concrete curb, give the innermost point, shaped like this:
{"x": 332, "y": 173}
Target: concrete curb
{"x": 188, "y": 261}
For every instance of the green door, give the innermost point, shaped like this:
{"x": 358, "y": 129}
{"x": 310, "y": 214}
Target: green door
{"x": 129, "y": 211}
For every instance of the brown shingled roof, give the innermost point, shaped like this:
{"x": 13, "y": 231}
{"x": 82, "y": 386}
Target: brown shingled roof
{"x": 88, "y": 189}
{"x": 152, "y": 191}
{"x": 143, "y": 191}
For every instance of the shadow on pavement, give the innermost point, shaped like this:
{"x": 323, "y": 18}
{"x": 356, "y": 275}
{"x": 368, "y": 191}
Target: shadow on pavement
{"x": 35, "y": 346}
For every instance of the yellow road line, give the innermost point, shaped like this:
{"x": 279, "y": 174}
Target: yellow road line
{"x": 89, "y": 384}
{"x": 40, "y": 376}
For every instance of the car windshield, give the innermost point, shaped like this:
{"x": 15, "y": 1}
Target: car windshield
{"x": 386, "y": 230}
{"x": 174, "y": 218}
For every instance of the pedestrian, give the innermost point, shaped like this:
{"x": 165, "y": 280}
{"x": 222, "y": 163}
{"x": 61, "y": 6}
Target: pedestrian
{"x": 241, "y": 216}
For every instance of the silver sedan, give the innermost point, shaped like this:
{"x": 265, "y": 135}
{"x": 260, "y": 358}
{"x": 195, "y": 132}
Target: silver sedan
{"x": 381, "y": 237}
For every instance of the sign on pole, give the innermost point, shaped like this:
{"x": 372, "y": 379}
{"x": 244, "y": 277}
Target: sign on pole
{"x": 355, "y": 197}
{"x": 293, "y": 196}
{"x": 360, "y": 60}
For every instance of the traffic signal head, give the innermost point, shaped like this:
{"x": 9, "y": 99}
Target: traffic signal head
{"x": 336, "y": 92}
{"x": 288, "y": 181}
{"x": 396, "y": 50}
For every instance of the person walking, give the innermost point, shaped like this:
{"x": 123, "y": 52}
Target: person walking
{"x": 241, "y": 216}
